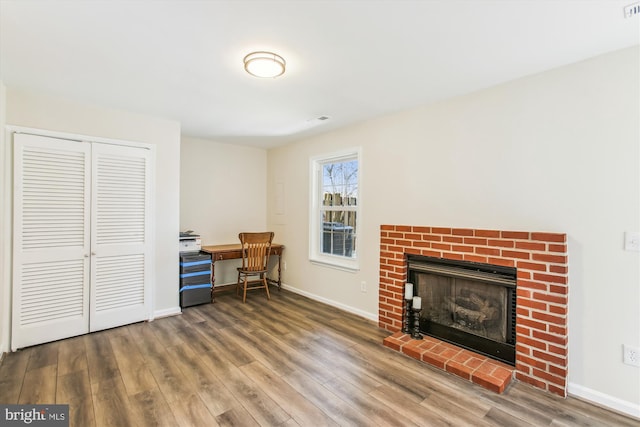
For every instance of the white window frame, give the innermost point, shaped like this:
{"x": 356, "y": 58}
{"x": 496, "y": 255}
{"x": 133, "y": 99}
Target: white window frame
{"x": 316, "y": 256}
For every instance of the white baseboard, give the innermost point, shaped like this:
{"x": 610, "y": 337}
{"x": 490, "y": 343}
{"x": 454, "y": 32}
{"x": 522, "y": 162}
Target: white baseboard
{"x": 332, "y": 303}
{"x": 173, "y": 311}
{"x": 604, "y": 400}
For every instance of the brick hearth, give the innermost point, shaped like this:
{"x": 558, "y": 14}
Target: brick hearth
{"x": 488, "y": 373}
{"x": 541, "y": 317}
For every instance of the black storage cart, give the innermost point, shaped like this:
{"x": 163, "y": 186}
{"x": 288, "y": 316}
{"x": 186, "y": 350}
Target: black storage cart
{"x": 195, "y": 279}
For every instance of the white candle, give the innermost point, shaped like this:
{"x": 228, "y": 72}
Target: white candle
{"x": 408, "y": 291}
{"x": 417, "y": 303}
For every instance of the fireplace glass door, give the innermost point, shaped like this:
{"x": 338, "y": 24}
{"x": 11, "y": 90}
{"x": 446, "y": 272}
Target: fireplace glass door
{"x": 467, "y": 305}
{"x": 470, "y": 308}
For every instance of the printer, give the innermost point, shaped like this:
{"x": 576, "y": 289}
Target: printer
{"x": 189, "y": 242}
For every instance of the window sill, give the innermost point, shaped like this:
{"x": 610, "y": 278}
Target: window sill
{"x": 348, "y": 267}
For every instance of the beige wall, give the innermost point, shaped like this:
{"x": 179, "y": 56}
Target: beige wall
{"x": 32, "y": 110}
{"x": 557, "y": 151}
{"x": 223, "y": 191}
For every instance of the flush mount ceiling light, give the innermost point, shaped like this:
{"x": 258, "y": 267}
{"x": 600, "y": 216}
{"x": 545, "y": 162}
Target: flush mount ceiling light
{"x": 264, "y": 64}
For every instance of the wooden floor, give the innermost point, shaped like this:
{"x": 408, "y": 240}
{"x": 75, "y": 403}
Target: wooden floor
{"x": 288, "y": 362}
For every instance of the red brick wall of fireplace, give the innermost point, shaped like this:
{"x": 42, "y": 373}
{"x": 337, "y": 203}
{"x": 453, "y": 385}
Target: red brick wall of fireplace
{"x": 542, "y": 291}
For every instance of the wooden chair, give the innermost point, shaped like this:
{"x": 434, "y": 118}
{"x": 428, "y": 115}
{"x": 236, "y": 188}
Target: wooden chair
{"x": 256, "y": 249}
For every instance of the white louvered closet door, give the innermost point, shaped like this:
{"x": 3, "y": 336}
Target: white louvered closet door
{"x": 120, "y": 230}
{"x": 81, "y": 246}
{"x": 50, "y": 240}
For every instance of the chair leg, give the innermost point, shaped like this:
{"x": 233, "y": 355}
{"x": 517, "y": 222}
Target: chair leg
{"x": 244, "y": 294}
{"x": 266, "y": 285}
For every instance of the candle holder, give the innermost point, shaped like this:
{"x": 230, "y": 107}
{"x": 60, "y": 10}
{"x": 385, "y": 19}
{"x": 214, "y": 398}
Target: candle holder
{"x": 415, "y": 334}
{"x": 406, "y": 329}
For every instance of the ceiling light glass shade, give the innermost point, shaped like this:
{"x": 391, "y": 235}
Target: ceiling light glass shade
{"x": 264, "y": 64}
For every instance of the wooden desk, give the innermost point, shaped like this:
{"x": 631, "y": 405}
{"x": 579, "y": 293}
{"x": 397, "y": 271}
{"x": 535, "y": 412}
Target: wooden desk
{"x": 234, "y": 251}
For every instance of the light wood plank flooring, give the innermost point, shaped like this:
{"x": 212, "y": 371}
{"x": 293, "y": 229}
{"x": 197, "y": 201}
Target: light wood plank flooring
{"x": 287, "y": 362}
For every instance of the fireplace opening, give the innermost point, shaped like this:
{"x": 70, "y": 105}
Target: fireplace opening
{"x": 471, "y": 305}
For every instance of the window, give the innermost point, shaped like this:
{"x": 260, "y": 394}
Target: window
{"x": 335, "y": 209}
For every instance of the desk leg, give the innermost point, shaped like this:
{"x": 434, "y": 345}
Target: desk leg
{"x": 213, "y": 278}
{"x": 279, "y": 261}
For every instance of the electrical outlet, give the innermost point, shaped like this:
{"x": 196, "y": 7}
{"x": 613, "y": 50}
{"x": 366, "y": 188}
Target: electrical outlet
{"x": 363, "y": 286}
{"x": 631, "y": 355}
{"x": 632, "y": 241}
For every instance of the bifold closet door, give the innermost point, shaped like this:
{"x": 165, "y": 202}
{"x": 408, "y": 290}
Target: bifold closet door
{"x": 51, "y": 239}
{"x": 120, "y": 231}
{"x": 81, "y": 246}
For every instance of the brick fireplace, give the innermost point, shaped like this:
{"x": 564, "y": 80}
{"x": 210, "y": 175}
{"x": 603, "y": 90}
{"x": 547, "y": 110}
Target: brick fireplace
{"x": 542, "y": 278}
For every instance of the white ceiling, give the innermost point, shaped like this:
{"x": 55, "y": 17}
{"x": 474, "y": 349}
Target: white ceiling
{"x": 348, "y": 60}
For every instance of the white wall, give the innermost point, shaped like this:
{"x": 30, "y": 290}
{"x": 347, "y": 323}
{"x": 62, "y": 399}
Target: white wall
{"x": 33, "y": 110}
{"x": 223, "y": 191}
{"x": 5, "y": 276}
{"x": 557, "y": 151}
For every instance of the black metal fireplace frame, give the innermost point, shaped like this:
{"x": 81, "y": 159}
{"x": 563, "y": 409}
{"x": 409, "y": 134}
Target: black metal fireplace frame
{"x": 489, "y": 273}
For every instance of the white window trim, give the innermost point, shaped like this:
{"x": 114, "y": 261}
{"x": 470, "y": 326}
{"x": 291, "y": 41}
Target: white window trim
{"x": 315, "y": 178}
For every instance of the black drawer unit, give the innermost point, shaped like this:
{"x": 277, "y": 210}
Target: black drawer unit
{"x": 195, "y": 297}
{"x": 195, "y": 279}
{"x": 192, "y": 262}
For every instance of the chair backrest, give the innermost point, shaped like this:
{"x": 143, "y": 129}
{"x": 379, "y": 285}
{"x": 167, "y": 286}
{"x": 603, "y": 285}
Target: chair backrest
{"x": 256, "y": 248}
